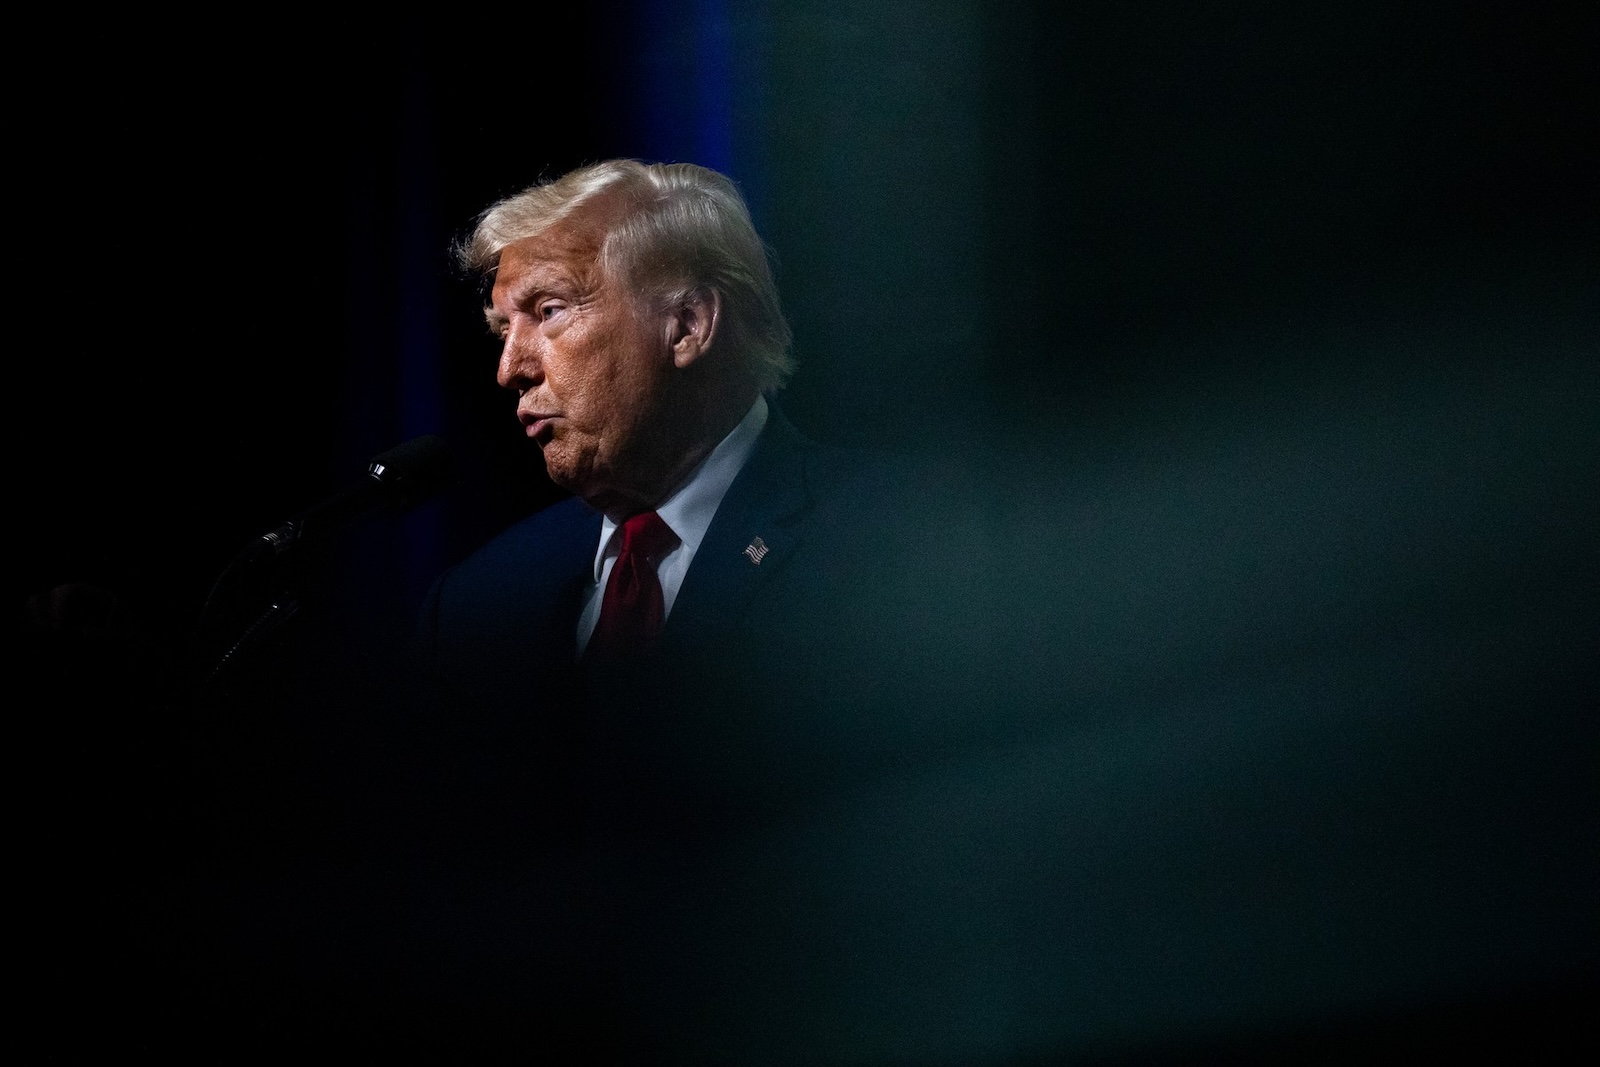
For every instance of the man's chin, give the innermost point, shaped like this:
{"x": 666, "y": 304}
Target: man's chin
{"x": 564, "y": 480}
{"x": 572, "y": 477}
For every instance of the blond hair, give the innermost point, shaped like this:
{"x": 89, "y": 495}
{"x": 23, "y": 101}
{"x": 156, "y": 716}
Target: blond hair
{"x": 682, "y": 227}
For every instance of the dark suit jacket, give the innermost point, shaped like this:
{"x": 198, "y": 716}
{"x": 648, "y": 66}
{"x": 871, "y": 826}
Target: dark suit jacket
{"x": 631, "y": 810}
{"x": 509, "y": 612}
{"x": 752, "y": 636}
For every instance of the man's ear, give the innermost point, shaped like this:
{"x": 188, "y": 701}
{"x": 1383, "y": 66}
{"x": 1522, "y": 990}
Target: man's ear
{"x": 692, "y": 325}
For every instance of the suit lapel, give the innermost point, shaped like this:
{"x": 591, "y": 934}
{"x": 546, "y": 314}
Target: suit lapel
{"x": 755, "y": 531}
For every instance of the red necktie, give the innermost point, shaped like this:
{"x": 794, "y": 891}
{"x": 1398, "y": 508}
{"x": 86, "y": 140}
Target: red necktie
{"x": 632, "y": 614}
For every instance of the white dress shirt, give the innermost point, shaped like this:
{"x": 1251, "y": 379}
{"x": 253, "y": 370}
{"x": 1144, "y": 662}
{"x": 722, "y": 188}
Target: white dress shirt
{"x": 688, "y": 512}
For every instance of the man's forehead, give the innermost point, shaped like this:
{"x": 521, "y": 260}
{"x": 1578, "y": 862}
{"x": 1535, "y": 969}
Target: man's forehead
{"x": 557, "y": 245}
{"x": 537, "y": 262}
{"x": 570, "y": 248}
{"x": 566, "y": 253}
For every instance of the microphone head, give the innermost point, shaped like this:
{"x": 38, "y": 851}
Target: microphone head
{"x": 412, "y": 472}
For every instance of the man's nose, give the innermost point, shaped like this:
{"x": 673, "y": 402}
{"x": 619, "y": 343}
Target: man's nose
{"x": 520, "y": 366}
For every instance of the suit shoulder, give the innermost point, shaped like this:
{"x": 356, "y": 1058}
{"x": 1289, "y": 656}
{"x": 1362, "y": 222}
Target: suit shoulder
{"x": 549, "y": 545}
{"x": 560, "y": 525}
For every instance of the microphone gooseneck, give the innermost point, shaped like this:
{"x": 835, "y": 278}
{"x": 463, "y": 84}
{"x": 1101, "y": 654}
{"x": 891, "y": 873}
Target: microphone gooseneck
{"x": 395, "y": 481}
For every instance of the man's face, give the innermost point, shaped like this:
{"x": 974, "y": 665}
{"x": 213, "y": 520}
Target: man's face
{"x": 588, "y": 364}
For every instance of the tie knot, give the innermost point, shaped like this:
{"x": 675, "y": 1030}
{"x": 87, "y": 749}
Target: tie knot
{"x": 647, "y": 535}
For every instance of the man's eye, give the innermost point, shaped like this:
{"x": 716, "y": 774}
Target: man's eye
{"x": 548, "y": 311}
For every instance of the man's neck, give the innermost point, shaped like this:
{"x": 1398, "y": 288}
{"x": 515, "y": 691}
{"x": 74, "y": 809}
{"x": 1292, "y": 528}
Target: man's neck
{"x": 712, "y": 420}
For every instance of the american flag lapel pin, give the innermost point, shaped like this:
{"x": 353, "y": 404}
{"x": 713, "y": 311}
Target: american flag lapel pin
{"x": 756, "y": 550}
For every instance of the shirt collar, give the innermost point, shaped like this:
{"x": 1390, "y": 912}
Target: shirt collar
{"x": 691, "y": 507}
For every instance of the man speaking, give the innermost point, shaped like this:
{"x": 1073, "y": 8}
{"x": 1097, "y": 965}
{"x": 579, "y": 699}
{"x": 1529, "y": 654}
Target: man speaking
{"x": 640, "y": 330}
{"x": 634, "y": 692}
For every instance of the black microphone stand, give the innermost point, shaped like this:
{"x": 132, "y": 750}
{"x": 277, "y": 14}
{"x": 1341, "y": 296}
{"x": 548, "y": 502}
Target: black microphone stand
{"x": 275, "y": 567}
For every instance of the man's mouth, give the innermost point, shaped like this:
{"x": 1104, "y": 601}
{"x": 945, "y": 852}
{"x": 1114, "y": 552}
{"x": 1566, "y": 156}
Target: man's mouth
{"x": 541, "y": 428}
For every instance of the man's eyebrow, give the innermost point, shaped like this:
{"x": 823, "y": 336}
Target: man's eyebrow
{"x": 494, "y": 318}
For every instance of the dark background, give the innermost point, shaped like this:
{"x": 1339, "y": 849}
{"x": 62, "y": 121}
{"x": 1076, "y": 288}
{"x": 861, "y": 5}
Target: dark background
{"x": 1050, "y": 248}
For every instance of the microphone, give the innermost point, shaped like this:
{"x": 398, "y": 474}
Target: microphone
{"x": 396, "y": 480}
